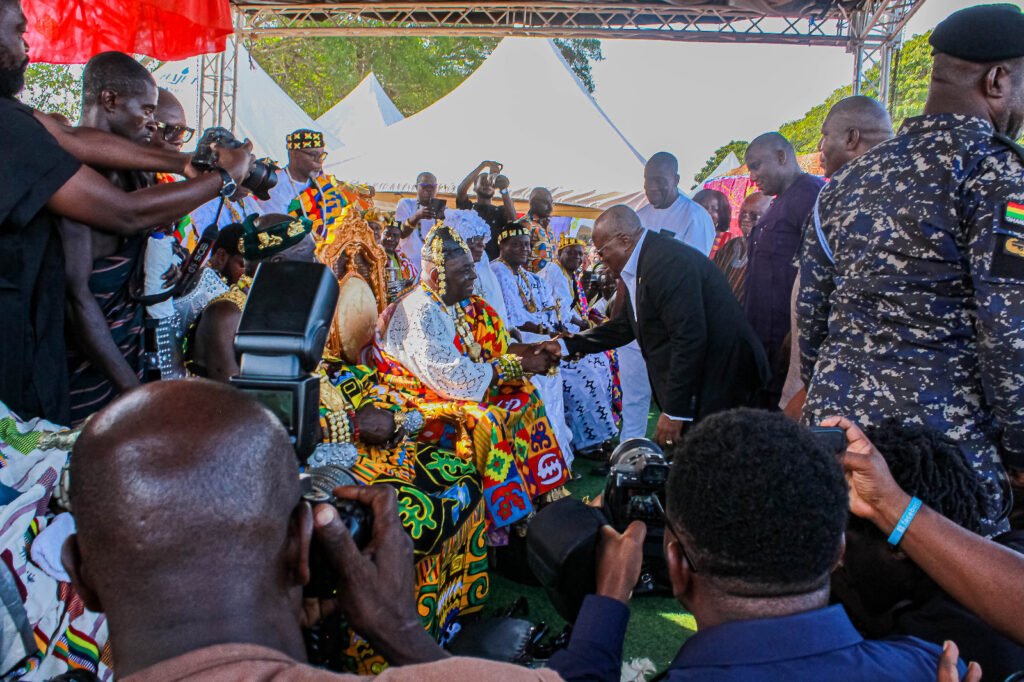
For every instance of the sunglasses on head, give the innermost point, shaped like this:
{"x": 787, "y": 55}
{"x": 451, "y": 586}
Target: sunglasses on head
{"x": 175, "y": 133}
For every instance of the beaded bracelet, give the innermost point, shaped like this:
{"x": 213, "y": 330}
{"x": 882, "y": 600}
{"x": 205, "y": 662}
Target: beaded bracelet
{"x": 508, "y": 367}
{"x": 908, "y": 516}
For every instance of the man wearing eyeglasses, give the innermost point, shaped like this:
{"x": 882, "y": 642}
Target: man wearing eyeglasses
{"x": 306, "y": 156}
{"x": 417, "y": 216}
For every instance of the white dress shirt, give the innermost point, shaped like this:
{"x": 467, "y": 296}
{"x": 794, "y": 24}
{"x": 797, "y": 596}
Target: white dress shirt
{"x": 685, "y": 218}
{"x": 412, "y": 245}
{"x": 629, "y": 278}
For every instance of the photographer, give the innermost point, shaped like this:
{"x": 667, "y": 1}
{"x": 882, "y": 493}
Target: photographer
{"x": 753, "y": 567}
{"x": 209, "y": 587}
{"x": 484, "y": 184}
{"x": 417, "y": 216}
{"x": 42, "y": 180}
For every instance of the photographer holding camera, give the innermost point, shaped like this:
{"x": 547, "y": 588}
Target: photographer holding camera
{"x": 43, "y": 176}
{"x": 207, "y": 587}
{"x": 484, "y": 184}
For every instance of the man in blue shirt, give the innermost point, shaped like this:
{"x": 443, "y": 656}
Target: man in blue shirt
{"x": 756, "y": 510}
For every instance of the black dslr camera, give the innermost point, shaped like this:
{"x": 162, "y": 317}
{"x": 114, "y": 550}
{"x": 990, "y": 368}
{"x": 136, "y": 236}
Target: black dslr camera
{"x": 318, "y": 484}
{"x": 562, "y": 540}
{"x": 635, "y": 489}
{"x": 261, "y": 179}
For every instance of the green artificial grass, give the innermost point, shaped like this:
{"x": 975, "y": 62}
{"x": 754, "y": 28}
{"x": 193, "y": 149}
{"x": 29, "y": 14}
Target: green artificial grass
{"x": 658, "y": 625}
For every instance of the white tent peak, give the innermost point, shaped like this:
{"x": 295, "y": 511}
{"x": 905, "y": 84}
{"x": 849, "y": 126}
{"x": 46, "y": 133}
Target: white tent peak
{"x": 523, "y": 107}
{"x": 362, "y": 114}
{"x": 264, "y": 112}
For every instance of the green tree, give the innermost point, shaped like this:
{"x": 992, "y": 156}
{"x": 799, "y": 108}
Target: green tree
{"x": 415, "y": 72}
{"x": 54, "y": 89}
{"x": 737, "y": 147}
{"x": 911, "y": 73}
{"x": 581, "y": 53}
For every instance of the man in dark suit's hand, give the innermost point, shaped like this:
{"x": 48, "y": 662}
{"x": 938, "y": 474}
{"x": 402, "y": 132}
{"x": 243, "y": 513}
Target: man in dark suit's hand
{"x": 668, "y": 432}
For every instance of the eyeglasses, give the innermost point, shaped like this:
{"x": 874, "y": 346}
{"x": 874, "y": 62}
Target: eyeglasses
{"x": 316, "y": 156}
{"x": 175, "y": 133}
{"x": 600, "y": 252}
{"x": 426, "y": 185}
{"x": 672, "y": 529}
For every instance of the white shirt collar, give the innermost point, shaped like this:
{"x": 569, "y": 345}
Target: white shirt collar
{"x": 634, "y": 258}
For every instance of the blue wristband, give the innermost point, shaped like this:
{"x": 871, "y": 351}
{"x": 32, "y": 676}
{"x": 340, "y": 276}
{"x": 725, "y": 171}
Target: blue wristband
{"x": 908, "y": 515}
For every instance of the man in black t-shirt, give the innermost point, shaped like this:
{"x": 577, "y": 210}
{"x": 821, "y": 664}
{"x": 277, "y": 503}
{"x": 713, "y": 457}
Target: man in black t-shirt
{"x": 496, "y": 217}
{"x": 40, "y": 179}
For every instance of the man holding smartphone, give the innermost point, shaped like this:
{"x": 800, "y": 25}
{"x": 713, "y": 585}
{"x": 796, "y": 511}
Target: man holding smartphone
{"x": 417, "y": 216}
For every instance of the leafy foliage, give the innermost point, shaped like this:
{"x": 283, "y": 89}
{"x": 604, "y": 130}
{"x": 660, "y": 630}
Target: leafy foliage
{"x": 911, "y": 70}
{"x": 415, "y": 72}
{"x": 738, "y": 147}
{"x": 54, "y": 88}
{"x": 580, "y": 53}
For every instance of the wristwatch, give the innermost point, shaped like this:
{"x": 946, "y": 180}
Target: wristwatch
{"x": 229, "y": 186}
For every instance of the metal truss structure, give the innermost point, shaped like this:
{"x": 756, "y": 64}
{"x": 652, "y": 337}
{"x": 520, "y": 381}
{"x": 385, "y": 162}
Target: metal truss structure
{"x": 875, "y": 33}
{"x": 217, "y": 91}
{"x": 869, "y": 29}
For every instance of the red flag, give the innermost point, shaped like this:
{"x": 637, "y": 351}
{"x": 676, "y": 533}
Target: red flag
{"x": 72, "y": 31}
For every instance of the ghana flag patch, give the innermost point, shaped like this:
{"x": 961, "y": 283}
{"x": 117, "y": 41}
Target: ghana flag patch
{"x": 1015, "y": 213}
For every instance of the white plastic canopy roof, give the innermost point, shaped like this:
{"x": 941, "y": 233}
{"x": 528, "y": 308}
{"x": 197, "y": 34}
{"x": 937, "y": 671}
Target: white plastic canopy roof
{"x": 362, "y": 115}
{"x": 264, "y": 112}
{"x": 524, "y": 107}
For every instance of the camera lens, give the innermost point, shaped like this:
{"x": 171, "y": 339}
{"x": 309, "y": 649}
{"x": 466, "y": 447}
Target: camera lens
{"x": 261, "y": 179}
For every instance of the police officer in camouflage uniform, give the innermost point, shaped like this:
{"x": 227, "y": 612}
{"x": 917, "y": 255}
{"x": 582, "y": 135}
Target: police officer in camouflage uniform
{"x": 911, "y": 299}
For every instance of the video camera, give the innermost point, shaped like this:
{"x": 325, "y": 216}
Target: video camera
{"x": 260, "y": 180}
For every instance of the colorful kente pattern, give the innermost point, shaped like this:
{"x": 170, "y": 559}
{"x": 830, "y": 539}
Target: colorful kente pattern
{"x": 439, "y": 504}
{"x": 508, "y": 437}
{"x": 324, "y": 202}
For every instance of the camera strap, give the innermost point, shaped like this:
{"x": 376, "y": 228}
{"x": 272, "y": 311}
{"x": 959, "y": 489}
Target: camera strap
{"x": 192, "y": 267}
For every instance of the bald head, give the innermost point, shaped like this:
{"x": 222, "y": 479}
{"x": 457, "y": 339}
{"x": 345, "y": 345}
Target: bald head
{"x": 852, "y": 127}
{"x": 772, "y": 142}
{"x": 180, "y": 487}
{"x": 661, "y": 180}
{"x": 541, "y": 203}
{"x": 616, "y": 233}
{"x": 772, "y": 162}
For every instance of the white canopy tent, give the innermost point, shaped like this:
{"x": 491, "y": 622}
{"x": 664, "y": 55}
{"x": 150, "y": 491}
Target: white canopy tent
{"x": 265, "y": 113}
{"x": 362, "y": 115}
{"x": 525, "y": 108}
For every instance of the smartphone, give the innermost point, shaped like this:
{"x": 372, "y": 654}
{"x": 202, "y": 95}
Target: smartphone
{"x": 832, "y": 437}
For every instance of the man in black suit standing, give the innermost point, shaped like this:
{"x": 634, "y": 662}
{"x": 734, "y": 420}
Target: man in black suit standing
{"x": 702, "y": 355}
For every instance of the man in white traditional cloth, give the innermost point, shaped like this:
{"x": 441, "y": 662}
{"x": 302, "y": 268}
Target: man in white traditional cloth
{"x": 476, "y": 232}
{"x": 587, "y": 384}
{"x": 532, "y": 310}
{"x": 451, "y": 347}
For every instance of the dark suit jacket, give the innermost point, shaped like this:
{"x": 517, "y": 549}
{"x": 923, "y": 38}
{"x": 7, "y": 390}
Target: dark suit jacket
{"x": 702, "y": 355}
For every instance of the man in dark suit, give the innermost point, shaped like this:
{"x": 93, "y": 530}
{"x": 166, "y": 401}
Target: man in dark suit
{"x": 702, "y": 355}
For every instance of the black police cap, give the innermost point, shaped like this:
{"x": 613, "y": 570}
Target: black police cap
{"x": 983, "y": 33}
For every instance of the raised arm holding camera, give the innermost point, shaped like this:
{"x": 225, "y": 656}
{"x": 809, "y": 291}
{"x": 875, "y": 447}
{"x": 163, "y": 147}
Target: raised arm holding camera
{"x": 484, "y": 184}
{"x": 41, "y": 180}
